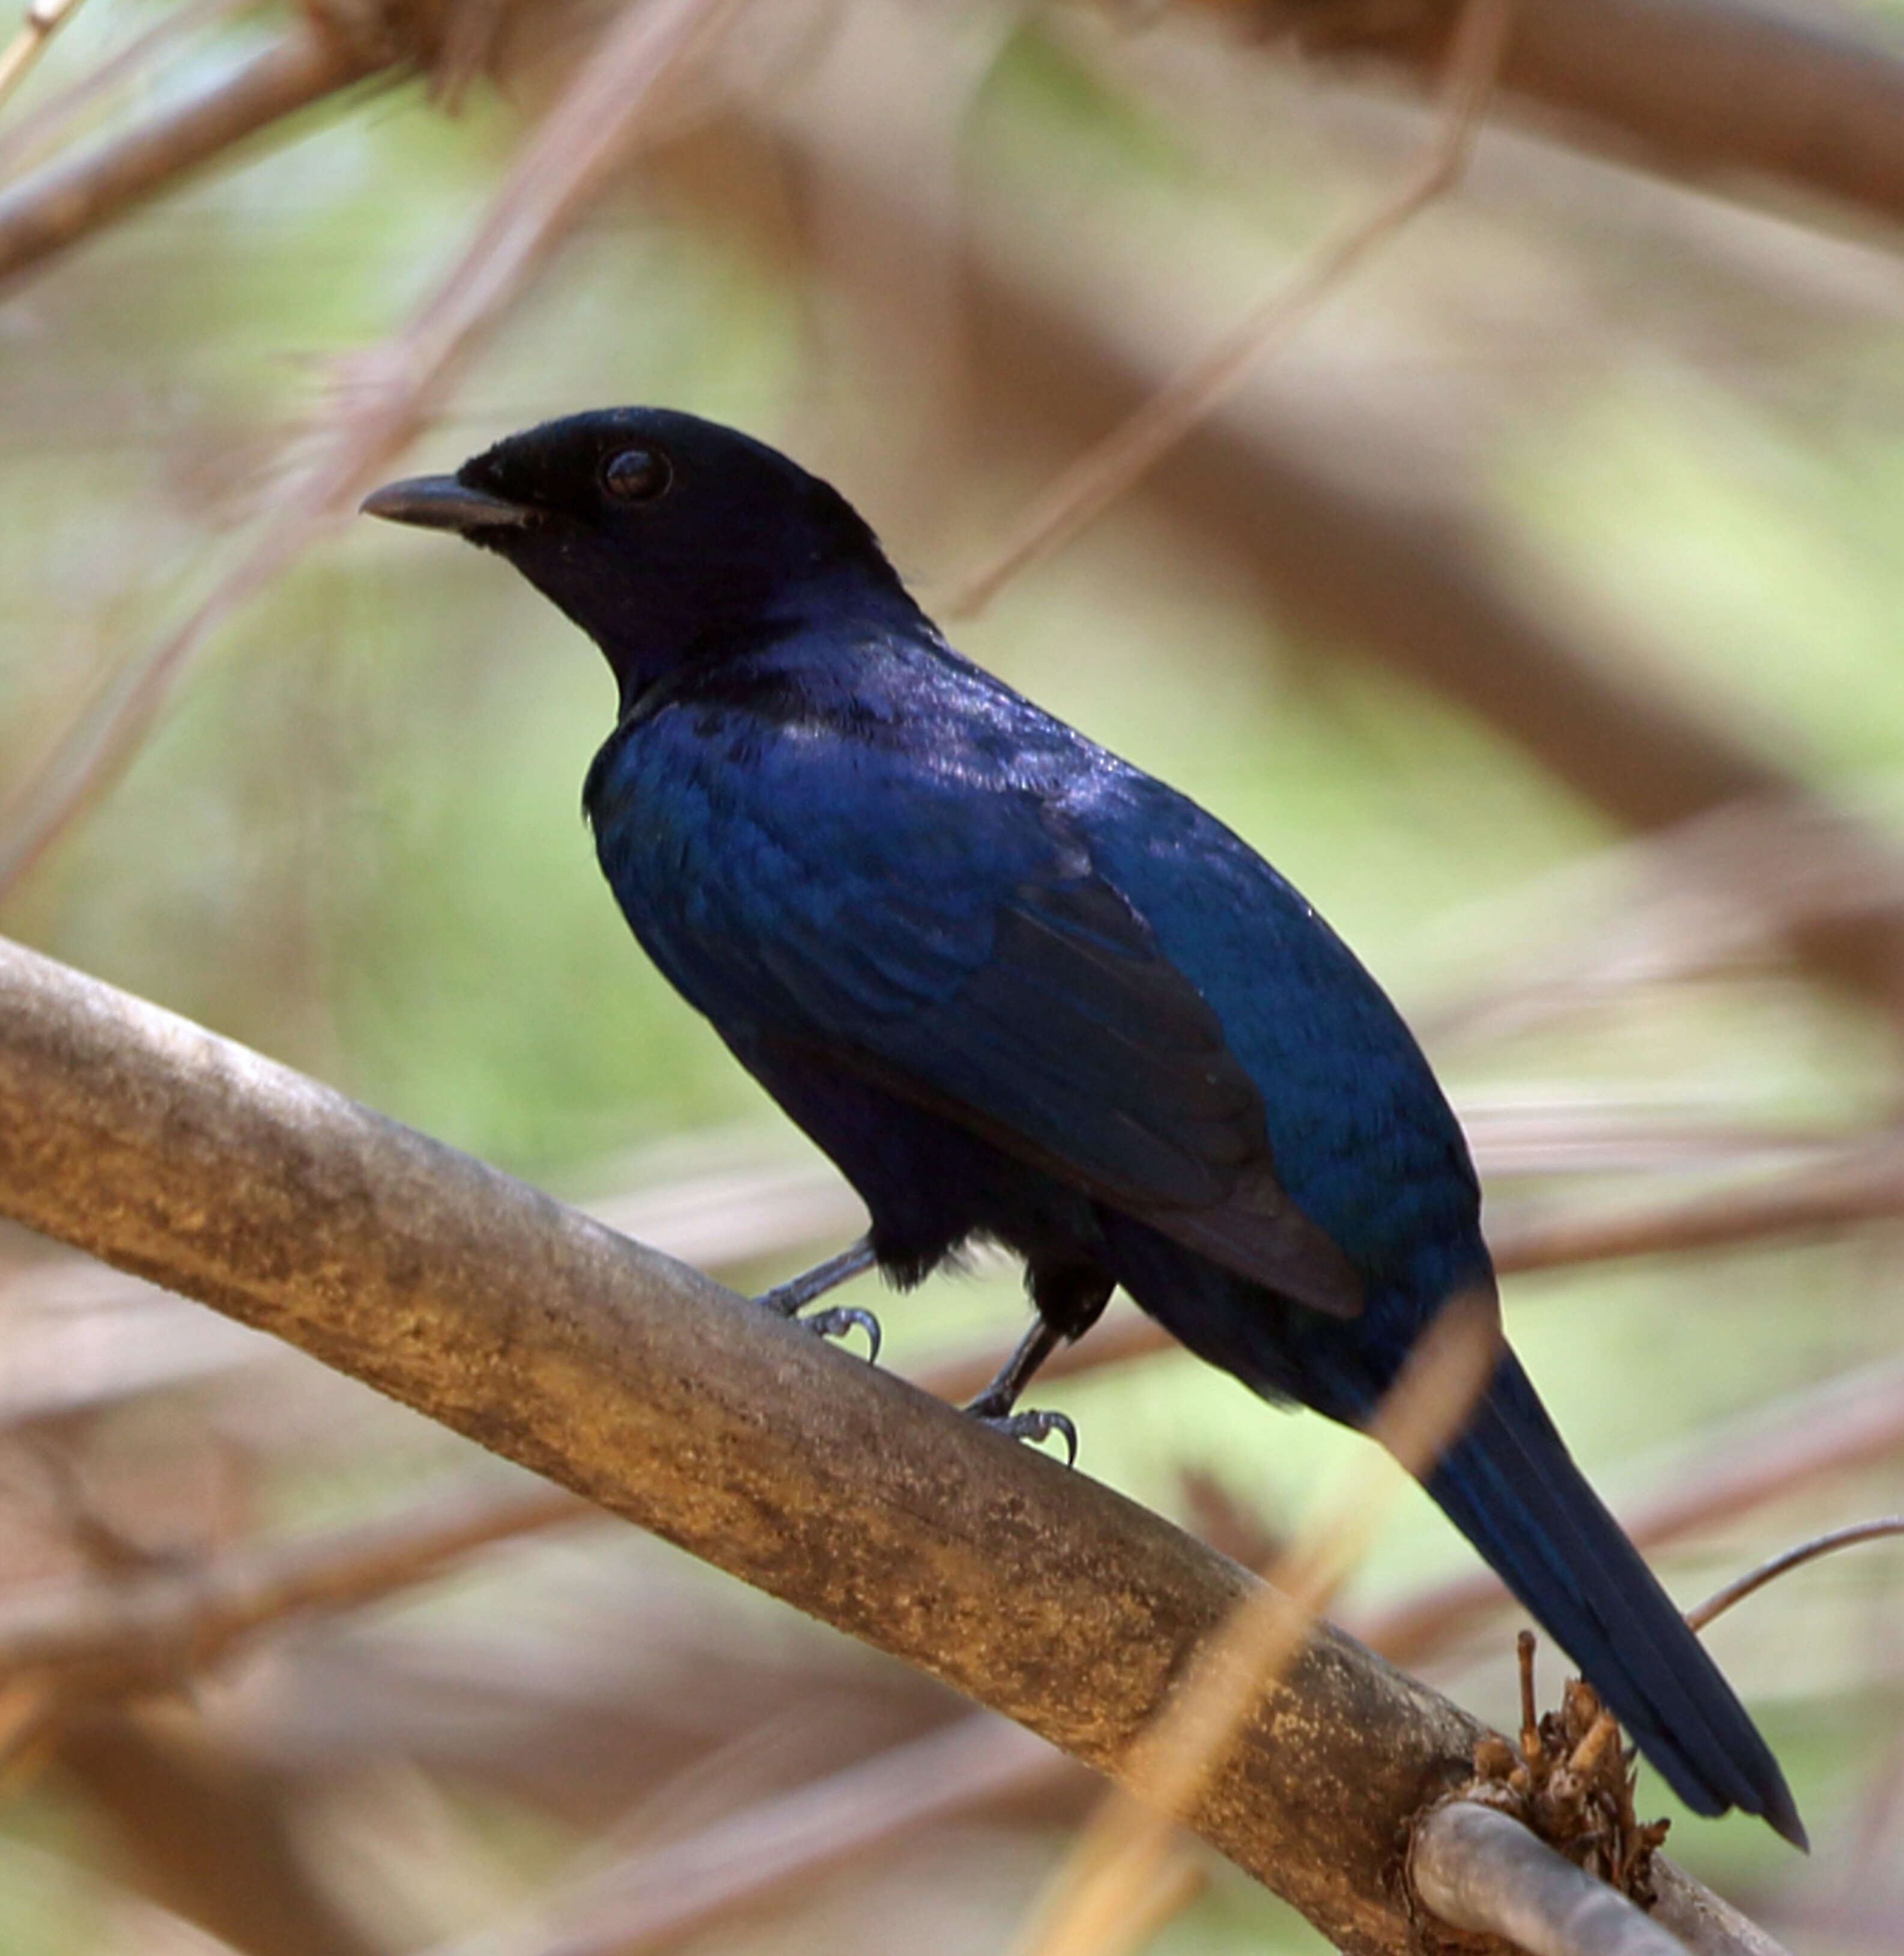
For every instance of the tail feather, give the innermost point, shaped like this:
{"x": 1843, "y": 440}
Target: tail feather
{"x": 1510, "y": 1486}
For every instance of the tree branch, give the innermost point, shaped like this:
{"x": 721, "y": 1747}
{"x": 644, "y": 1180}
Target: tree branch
{"x": 69, "y": 199}
{"x": 1481, "y": 1870}
{"x": 1702, "y": 88}
{"x": 150, "y": 1628}
{"x": 641, "y": 1384}
{"x": 42, "y": 20}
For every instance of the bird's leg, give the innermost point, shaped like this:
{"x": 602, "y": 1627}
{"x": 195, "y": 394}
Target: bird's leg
{"x": 994, "y": 1405}
{"x": 792, "y": 1297}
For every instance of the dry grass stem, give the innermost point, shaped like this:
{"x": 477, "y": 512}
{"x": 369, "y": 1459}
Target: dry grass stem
{"x": 43, "y": 16}
{"x": 1105, "y": 1894}
{"x": 389, "y": 393}
{"x": 36, "y": 132}
{"x": 1105, "y": 473}
{"x": 658, "y": 1896}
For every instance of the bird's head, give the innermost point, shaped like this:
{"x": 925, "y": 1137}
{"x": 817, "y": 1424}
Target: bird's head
{"x": 666, "y": 538}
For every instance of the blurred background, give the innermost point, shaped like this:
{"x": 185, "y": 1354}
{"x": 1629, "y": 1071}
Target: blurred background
{"x": 1536, "y": 607}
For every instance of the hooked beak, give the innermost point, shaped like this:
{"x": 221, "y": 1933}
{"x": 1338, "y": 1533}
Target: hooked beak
{"x": 442, "y": 503}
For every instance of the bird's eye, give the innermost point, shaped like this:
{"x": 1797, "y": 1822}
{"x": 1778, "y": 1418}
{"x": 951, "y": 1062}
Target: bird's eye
{"x": 637, "y": 474}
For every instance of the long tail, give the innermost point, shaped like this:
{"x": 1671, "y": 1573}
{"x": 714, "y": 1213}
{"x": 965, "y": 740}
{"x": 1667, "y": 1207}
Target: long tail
{"x": 1511, "y": 1486}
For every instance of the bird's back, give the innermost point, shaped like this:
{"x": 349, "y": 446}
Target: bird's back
{"x": 902, "y": 786}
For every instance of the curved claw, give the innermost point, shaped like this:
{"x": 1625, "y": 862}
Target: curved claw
{"x": 1035, "y": 1427}
{"x": 837, "y": 1319}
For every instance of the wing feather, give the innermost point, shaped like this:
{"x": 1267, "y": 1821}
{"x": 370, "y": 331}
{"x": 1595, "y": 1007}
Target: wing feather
{"x": 1072, "y": 1042}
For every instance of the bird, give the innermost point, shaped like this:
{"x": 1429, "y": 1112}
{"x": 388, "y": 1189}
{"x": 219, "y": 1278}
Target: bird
{"x": 1022, "y": 992}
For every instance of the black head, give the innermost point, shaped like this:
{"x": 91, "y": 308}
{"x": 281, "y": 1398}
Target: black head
{"x": 666, "y": 538}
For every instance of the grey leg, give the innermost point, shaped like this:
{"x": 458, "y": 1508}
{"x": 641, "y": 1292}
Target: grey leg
{"x": 791, "y": 1298}
{"x": 994, "y": 1405}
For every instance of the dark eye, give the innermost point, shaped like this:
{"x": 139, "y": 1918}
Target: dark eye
{"x": 637, "y": 474}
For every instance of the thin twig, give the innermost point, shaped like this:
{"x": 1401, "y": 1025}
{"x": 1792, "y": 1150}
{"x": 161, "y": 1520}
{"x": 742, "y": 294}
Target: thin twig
{"x": 1849, "y": 1424}
{"x": 1706, "y": 1923}
{"x": 1108, "y": 471}
{"x": 43, "y": 16}
{"x": 36, "y": 132}
{"x": 1850, "y": 1536}
{"x": 390, "y": 394}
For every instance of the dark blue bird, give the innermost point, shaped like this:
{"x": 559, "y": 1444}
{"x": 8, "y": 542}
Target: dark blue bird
{"x": 1018, "y": 990}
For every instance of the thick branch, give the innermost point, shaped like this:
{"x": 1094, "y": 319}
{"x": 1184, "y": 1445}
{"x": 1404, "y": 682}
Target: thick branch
{"x": 642, "y": 1385}
{"x": 648, "y": 1388}
{"x": 1701, "y": 87}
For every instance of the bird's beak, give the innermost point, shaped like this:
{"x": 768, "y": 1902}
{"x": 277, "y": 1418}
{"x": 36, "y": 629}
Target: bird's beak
{"x": 442, "y": 503}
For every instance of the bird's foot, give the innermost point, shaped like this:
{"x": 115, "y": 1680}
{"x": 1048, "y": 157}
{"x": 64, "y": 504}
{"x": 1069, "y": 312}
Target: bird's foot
{"x": 836, "y": 1320}
{"x": 1035, "y": 1427}
{"x": 789, "y": 1300}
{"x": 993, "y": 1407}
